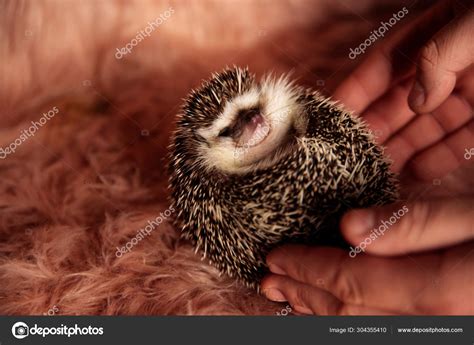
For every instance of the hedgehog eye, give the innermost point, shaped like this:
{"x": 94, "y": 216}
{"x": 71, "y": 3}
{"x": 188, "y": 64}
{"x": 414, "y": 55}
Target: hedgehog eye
{"x": 226, "y": 132}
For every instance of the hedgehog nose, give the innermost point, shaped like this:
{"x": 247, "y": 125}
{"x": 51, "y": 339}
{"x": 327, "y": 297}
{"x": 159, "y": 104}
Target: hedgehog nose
{"x": 244, "y": 117}
{"x": 248, "y": 129}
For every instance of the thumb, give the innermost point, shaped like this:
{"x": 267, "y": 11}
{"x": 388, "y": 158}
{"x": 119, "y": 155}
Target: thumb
{"x": 403, "y": 228}
{"x": 450, "y": 51}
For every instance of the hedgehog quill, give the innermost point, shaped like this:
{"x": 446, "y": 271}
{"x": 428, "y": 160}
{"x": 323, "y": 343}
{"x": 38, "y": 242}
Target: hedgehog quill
{"x": 256, "y": 164}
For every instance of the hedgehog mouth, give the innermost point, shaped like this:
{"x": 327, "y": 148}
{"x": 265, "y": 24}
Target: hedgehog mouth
{"x": 249, "y": 129}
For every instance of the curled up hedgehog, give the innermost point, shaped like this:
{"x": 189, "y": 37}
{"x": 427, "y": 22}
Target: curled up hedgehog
{"x": 256, "y": 164}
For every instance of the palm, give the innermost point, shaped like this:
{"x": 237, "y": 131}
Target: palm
{"x": 422, "y": 146}
{"x": 425, "y": 146}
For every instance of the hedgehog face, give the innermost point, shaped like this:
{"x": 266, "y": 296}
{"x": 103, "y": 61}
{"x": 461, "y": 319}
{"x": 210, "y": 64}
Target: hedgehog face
{"x": 249, "y": 128}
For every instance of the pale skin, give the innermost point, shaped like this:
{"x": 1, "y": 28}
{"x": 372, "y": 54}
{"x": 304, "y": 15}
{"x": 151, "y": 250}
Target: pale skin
{"x": 416, "y": 91}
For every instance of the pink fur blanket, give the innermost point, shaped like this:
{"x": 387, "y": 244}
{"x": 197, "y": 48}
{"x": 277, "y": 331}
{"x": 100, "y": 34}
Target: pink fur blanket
{"x": 93, "y": 174}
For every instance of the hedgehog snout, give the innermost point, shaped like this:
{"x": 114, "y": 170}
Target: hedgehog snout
{"x": 248, "y": 129}
{"x": 254, "y": 127}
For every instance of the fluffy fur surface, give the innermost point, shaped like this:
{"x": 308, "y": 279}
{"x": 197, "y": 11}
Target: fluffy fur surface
{"x": 94, "y": 174}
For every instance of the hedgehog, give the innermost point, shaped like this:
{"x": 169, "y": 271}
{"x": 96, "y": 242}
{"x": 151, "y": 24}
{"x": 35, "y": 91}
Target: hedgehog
{"x": 255, "y": 164}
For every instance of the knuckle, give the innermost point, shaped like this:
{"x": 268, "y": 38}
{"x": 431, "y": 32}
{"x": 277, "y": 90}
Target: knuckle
{"x": 304, "y": 274}
{"x": 300, "y": 270}
{"x": 413, "y": 226}
{"x": 301, "y": 297}
{"x": 429, "y": 55}
{"x": 346, "y": 284}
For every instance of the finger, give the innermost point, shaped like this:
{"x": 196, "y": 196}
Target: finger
{"x": 390, "y": 113}
{"x": 465, "y": 85}
{"x": 309, "y": 300}
{"x": 391, "y": 59}
{"x": 400, "y": 229}
{"x": 303, "y": 298}
{"x": 445, "y": 156}
{"x": 427, "y": 129}
{"x": 368, "y": 281}
{"x": 368, "y": 82}
{"x": 449, "y": 52}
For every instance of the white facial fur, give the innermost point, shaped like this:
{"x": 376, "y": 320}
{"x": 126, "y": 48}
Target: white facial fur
{"x": 277, "y": 100}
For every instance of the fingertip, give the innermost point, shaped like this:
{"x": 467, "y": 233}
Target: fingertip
{"x": 356, "y": 223}
{"x": 430, "y": 90}
{"x": 340, "y": 94}
{"x": 348, "y": 93}
{"x": 270, "y": 287}
{"x": 417, "y": 97}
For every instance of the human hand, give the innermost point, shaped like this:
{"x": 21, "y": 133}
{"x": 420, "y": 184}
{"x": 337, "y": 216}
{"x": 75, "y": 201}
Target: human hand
{"x": 328, "y": 281}
{"x": 434, "y": 53}
{"x": 416, "y": 90}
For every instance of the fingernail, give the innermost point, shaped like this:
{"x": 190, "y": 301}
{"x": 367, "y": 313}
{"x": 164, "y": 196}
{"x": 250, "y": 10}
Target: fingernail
{"x": 361, "y": 221}
{"x": 417, "y": 95}
{"x": 277, "y": 270}
{"x": 274, "y": 295}
{"x": 302, "y": 310}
